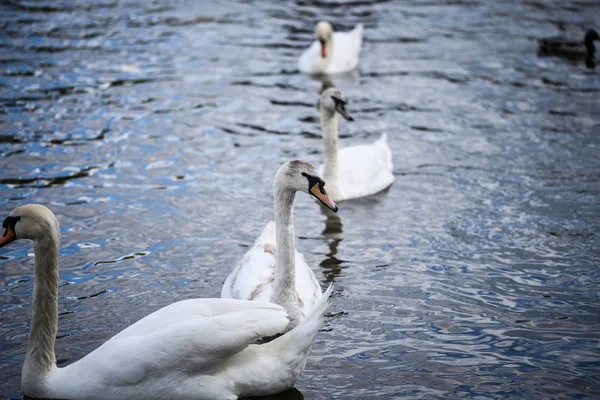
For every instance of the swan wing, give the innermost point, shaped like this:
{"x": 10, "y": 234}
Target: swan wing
{"x": 194, "y": 344}
{"x": 560, "y": 46}
{"x": 308, "y": 61}
{"x": 277, "y": 365}
{"x": 307, "y": 285}
{"x": 364, "y": 170}
{"x": 346, "y": 50}
{"x": 253, "y": 277}
{"x": 174, "y": 314}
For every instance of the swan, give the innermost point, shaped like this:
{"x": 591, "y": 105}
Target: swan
{"x": 355, "y": 171}
{"x": 558, "y": 46}
{"x": 332, "y": 52}
{"x": 192, "y": 349}
{"x": 273, "y": 270}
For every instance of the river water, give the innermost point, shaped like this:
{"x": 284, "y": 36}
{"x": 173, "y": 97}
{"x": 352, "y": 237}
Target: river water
{"x": 153, "y": 130}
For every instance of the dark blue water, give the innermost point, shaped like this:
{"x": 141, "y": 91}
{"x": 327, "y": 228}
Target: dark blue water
{"x": 153, "y": 130}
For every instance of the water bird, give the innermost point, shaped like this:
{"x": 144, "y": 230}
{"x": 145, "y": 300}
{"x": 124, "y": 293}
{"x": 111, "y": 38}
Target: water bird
{"x": 573, "y": 49}
{"x": 355, "y": 171}
{"x": 332, "y": 52}
{"x": 191, "y": 349}
{"x": 273, "y": 270}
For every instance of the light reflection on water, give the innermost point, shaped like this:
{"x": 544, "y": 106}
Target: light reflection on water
{"x": 153, "y": 132}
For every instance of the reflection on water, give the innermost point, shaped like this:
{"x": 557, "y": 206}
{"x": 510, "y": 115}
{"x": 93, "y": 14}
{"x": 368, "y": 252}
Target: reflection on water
{"x": 153, "y": 131}
{"x": 331, "y": 265}
{"x": 292, "y": 394}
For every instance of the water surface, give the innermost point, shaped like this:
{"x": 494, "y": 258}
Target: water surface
{"x": 153, "y": 130}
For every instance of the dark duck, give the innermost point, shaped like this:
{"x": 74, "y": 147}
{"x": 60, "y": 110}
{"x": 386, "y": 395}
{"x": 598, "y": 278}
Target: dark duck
{"x": 573, "y": 49}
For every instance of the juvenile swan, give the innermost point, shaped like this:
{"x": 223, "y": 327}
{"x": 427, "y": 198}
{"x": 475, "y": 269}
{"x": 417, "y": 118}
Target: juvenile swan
{"x": 355, "y": 171}
{"x": 332, "y": 53}
{"x": 192, "y": 349}
{"x": 273, "y": 270}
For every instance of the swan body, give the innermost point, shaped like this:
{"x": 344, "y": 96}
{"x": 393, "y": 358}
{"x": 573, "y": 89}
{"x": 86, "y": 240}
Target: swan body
{"x": 273, "y": 270}
{"x": 192, "y": 349}
{"x": 574, "y": 49}
{"x": 332, "y": 52}
{"x": 355, "y": 171}
{"x": 253, "y": 276}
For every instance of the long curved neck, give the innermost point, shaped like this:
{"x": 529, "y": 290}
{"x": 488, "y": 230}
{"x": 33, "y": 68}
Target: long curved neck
{"x": 322, "y": 63}
{"x": 329, "y": 55}
{"x": 590, "y": 48}
{"x": 44, "y": 323}
{"x": 284, "y": 287}
{"x": 329, "y": 130}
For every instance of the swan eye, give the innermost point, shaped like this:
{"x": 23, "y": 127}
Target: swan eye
{"x": 315, "y": 180}
{"x": 316, "y": 187}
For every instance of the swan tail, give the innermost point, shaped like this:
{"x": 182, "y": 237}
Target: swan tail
{"x": 358, "y": 29}
{"x": 358, "y": 33}
{"x": 385, "y": 150}
{"x": 268, "y": 234}
{"x": 299, "y": 340}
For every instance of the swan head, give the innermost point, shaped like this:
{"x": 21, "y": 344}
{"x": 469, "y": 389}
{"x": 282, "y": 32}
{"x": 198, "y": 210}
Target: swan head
{"x": 31, "y": 221}
{"x": 332, "y": 100}
{"x": 301, "y": 176}
{"x": 324, "y": 33}
{"x": 591, "y": 35}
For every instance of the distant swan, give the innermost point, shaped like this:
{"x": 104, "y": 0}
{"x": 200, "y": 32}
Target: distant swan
{"x": 575, "y": 49}
{"x": 273, "y": 270}
{"x": 192, "y": 349}
{"x": 332, "y": 53}
{"x": 355, "y": 171}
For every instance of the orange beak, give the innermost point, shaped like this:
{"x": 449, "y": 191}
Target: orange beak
{"x": 323, "y": 48}
{"x": 322, "y": 196}
{"x": 8, "y": 237}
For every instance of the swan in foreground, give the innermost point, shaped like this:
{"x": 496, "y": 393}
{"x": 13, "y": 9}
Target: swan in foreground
{"x": 273, "y": 270}
{"x": 574, "y": 49}
{"x": 192, "y": 349}
{"x": 355, "y": 171}
{"x": 332, "y": 52}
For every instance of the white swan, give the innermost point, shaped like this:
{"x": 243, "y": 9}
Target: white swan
{"x": 192, "y": 349}
{"x": 273, "y": 270}
{"x": 332, "y": 52}
{"x": 355, "y": 171}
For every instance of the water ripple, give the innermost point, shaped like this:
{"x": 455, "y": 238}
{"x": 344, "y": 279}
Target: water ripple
{"x": 474, "y": 276}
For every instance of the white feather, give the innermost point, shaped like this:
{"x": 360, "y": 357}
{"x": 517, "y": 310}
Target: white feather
{"x": 363, "y": 170}
{"x": 254, "y": 275}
